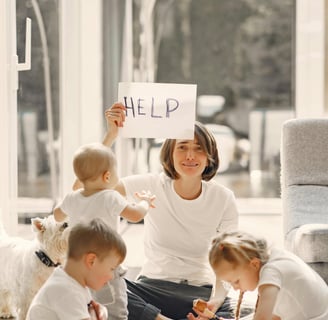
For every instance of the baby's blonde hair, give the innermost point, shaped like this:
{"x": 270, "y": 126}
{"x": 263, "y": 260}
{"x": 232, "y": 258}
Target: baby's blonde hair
{"x": 92, "y": 160}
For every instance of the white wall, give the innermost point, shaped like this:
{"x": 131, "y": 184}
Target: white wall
{"x": 310, "y": 58}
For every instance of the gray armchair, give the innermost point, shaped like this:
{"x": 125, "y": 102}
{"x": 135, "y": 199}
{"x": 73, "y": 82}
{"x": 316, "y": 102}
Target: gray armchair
{"x": 304, "y": 190}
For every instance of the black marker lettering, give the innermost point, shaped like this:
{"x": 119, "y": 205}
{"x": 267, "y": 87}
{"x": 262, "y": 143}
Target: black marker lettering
{"x": 140, "y": 107}
{"x": 127, "y": 107}
{"x": 153, "y": 109}
{"x": 168, "y": 109}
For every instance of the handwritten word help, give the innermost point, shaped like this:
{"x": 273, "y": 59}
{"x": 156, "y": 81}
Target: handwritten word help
{"x": 143, "y": 107}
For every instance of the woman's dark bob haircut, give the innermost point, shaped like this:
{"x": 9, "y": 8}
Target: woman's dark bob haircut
{"x": 207, "y": 142}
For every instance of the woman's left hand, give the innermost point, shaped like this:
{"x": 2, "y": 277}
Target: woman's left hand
{"x": 208, "y": 312}
{"x": 190, "y": 316}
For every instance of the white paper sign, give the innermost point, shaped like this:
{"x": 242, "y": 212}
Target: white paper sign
{"x": 158, "y": 110}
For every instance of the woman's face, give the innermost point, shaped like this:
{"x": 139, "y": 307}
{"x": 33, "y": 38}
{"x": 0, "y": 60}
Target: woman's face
{"x": 189, "y": 158}
{"x": 244, "y": 277}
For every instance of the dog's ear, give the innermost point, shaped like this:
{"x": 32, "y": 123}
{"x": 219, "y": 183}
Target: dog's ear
{"x": 37, "y": 225}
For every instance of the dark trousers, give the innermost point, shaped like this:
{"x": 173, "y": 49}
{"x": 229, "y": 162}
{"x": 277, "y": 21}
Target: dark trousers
{"x": 148, "y": 297}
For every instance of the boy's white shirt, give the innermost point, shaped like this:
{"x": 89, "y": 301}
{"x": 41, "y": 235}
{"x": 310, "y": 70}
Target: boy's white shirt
{"x": 61, "y": 297}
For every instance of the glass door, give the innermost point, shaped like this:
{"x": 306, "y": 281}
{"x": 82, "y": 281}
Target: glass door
{"x": 38, "y": 109}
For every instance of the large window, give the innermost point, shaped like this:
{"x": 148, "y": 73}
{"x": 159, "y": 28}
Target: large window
{"x": 239, "y": 53}
{"x": 241, "y": 56}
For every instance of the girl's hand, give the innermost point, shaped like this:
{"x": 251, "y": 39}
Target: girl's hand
{"x": 146, "y": 196}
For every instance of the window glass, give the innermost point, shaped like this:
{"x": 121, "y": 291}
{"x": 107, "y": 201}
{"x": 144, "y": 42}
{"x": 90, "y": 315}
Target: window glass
{"x": 38, "y": 102}
{"x": 240, "y": 55}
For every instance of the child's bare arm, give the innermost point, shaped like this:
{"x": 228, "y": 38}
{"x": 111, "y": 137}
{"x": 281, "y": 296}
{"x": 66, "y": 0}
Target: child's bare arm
{"x": 136, "y": 212}
{"x": 219, "y": 293}
{"x": 267, "y": 299}
{"x": 146, "y": 196}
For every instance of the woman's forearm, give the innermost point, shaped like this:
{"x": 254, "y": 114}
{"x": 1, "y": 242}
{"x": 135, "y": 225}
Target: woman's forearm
{"x": 219, "y": 293}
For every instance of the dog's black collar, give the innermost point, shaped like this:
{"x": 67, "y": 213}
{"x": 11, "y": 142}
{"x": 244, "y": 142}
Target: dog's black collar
{"x": 45, "y": 259}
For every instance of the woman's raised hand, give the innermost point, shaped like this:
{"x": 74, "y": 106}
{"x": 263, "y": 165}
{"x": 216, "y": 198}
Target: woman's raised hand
{"x": 115, "y": 115}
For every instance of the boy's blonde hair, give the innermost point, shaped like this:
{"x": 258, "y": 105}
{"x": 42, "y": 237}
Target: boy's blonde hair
{"x": 237, "y": 248}
{"x": 95, "y": 237}
{"x": 92, "y": 160}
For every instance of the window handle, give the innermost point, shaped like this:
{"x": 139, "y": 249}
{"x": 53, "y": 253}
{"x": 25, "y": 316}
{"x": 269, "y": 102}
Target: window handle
{"x": 27, "y": 64}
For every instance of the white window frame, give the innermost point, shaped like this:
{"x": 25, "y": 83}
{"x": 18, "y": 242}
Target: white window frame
{"x": 310, "y": 60}
{"x": 8, "y": 111}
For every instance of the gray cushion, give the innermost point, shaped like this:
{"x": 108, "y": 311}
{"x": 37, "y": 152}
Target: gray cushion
{"x": 321, "y": 268}
{"x": 311, "y": 242}
{"x": 305, "y": 152}
{"x": 304, "y": 190}
{"x": 317, "y": 242}
{"x": 304, "y": 204}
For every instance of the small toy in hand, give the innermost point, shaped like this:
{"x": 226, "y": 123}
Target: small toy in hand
{"x": 201, "y": 306}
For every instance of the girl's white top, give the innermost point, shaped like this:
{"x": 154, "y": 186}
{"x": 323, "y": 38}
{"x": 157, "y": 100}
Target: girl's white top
{"x": 179, "y": 232}
{"x": 303, "y": 294}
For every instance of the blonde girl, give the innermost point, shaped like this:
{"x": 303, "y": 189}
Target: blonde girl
{"x": 287, "y": 287}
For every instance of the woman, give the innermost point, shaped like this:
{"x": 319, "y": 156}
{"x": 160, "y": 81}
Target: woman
{"x": 190, "y": 210}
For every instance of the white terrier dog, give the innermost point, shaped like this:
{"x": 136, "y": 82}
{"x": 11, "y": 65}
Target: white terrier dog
{"x": 27, "y": 264}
